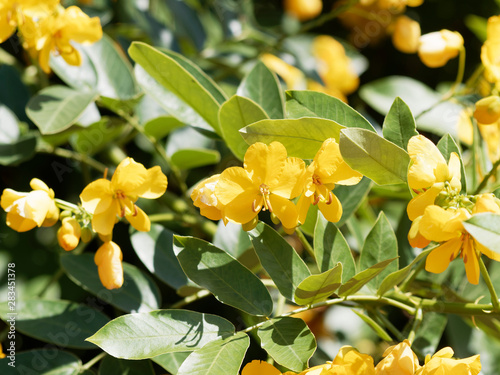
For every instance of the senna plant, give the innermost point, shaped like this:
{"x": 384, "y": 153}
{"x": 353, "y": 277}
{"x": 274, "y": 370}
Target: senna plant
{"x": 230, "y": 201}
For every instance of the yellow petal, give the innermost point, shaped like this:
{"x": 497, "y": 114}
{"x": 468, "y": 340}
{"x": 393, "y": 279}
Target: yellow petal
{"x": 257, "y": 367}
{"x": 425, "y": 158}
{"x": 73, "y": 57}
{"x": 19, "y": 223}
{"x": 486, "y": 203}
{"x": 471, "y": 262}
{"x": 36, "y": 206}
{"x": 69, "y": 233}
{"x": 416, "y": 207}
{"x": 285, "y": 210}
{"x": 415, "y": 238}
{"x": 104, "y": 222}
{"x": 9, "y": 197}
{"x": 303, "y": 207}
{"x": 446, "y": 352}
{"x": 489, "y": 253}
{"x": 344, "y": 175}
{"x": 433, "y": 223}
{"x": 139, "y": 221}
{"x": 108, "y": 259}
{"x": 233, "y": 182}
{"x": 290, "y": 181}
{"x": 454, "y": 167}
{"x": 37, "y": 184}
{"x": 44, "y": 55}
{"x": 240, "y": 210}
{"x": 439, "y": 258}
{"x": 333, "y": 211}
{"x": 154, "y": 185}
{"x": 264, "y": 164}
{"x": 80, "y": 27}
{"x": 128, "y": 176}
{"x": 94, "y": 192}
{"x": 52, "y": 215}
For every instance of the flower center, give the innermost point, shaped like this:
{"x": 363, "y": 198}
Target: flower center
{"x": 126, "y": 205}
{"x": 264, "y": 193}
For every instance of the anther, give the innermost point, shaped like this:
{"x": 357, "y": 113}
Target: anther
{"x": 135, "y": 211}
{"x": 122, "y": 214}
{"x": 316, "y": 200}
{"x": 105, "y": 173}
{"x": 268, "y": 204}
{"x": 330, "y": 198}
{"x": 254, "y": 206}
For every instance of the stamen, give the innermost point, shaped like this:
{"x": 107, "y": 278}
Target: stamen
{"x": 330, "y": 198}
{"x": 316, "y": 200}
{"x": 135, "y": 211}
{"x": 122, "y": 213}
{"x": 268, "y": 205}
{"x": 465, "y": 258}
{"x": 452, "y": 257}
{"x": 105, "y": 173}
{"x": 255, "y": 208}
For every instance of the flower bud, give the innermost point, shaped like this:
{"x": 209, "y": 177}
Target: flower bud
{"x": 303, "y": 10}
{"x": 108, "y": 259}
{"x": 68, "y": 235}
{"x": 406, "y": 35}
{"x": 435, "y": 49}
{"x": 86, "y": 235}
{"x": 488, "y": 110}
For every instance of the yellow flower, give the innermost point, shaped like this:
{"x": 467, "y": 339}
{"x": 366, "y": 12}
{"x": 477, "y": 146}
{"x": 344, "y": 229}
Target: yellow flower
{"x": 348, "y": 361}
{"x": 303, "y": 10}
{"x": 56, "y": 32}
{"x": 399, "y": 359}
{"x": 441, "y": 363}
{"x": 491, "y": 135}
{"x": 26, "y": 211}
{"x": 436, "y": 48}
{"x": 267, "y": 181}
{"x": 108, "y": 199}
{"x": 488, "y": 110}
{"x": 406, "y": 34}
{"x": 108, "y": 259}
{"x": 429, "y": 174}
{"x": 490, "y": 51}
{"x": 69, "y": 233}
{"x": 293, "y": 77}
{"x": 204, "y": 198}
{"x": 257, "y": 367}
{"x": 327, "y": 169}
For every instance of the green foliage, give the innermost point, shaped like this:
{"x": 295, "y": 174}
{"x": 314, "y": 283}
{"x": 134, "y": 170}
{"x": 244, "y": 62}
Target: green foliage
{"x": 317, "y": 288}
{"x": 485, "y": 228}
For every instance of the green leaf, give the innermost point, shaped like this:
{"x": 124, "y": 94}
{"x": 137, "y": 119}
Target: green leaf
{"x": 380, "y": 244}
{"x": 397, "y": 277}
{"x": 139, "y": 293}
{"x": 302, "y": 137}
{"x": 9, "y": 132}
{"x": 187, "y": 98}
{"x": 14, "y": 94}
{"x": 351, "y": 198}
{"x": 362, "y": 278}
{"x": 115, "y": 366}
{"x": 229, "y": 281}
{"x": 146, "y": 335}
{"x": 262, "y": 86}
{"x": 429, "y": 333}
{"x": 279, "y": 259}
{"x": 379, "y": 330}
{"x": 97, "y": 136}
{"x": 18, "y": 151}
{"x": 234, "y": 115}
{"x": 63, "y": 323}
{"x": 376, "y": 158}
{"x": 316, "y": 104}
{"x": 171, "y": 361}
{"x": 446, "y": 146}
{"x": 223, "y": 356}
{"x": 478, "y": 25}
{"x": 317, "y": 288}
{"x": 232, "y": 239}
{"x": 399, "y": 124}
{"x": 288, "y": 341}
{"x": 155, "y": 249}
{"x": 330, "y": 248}
{"x": 485, "y": 228}
{"x": 161, "y": 126}
{"x": 194, "y": 158}
{"x": 42, "y": 362}
{"x": 56, "y": 108}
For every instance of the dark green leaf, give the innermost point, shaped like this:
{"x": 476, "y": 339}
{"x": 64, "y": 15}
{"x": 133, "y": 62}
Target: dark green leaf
{"x": 485, "y": 228}
{"x": 379, "y": 330}
{"x": 288, "y": 341}
{"x": 351, "y": 198}
{"x": 429, "y": 332}
{"x": 139, "y": 293}
{"x": 446, "y": 146}
{"x": 279, "y": 259}
{"x": 115, "y": 366}
{"x": 147, "y": 335}
{"x": 229, "y": 281}
{"x": 41, "y": 362}
{"x": 399, "y": 124}
{"x": 14, "y": 94}
{"x": 18, "y": 151}
{"x": 317, "y": 288}
{"x": 97, "y": 136}
{"x": 193, "y": 158}
{"x": 232, "y": 238}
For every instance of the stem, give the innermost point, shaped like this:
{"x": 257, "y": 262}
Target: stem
{"x": 68, "y": 154}
{"x": 305, "y": 243}
{"x": 53, "y": 280}
{"x": 412, "y": 276}
{"x": 460, "y": 73}
{"x": 66, "y": 205}
{"x": 190, "y": 299}
{"x": 489, "y": 284}
{"x": 417, "y": 320}
{"x": 327, "y": 17}
{"x": 93, "y": 361}
{"x": 485, "y": 179}
{"x": 388, "y": 324}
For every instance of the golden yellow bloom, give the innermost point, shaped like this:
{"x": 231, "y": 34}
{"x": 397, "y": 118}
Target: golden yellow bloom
{"x": 327, "y": 169}
{"x": 348, "y": 361}
{"x": 490, "y": 51}
{"x": 204, "y": 198}
{"x": 429, "y": 174}
{"x": 292, "y": 76}
{"x": 108, "y": 199}
{"x": 406, "y": 34}
{"x": 108, "y": 259}
{"x": 334, "y": 66}
{"x": 257, "y": 367}
{"x": 26, "y": 211}
{"x": 267, "y": 181}
{"x": 488, "y": 110}
{"x": 68, "y": 235}
{"x": 491, "y": 135}
{"x": 442, "y": 363}
{"x": 56, "y": 32}
{"x": 303, "y": 10}
{"x": 436, "y": 48}
{"x": 399, "y": 359}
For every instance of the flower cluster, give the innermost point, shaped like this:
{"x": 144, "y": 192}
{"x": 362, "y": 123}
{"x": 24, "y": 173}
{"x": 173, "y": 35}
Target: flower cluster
{"x": 439, "y": 208}
{"x": 104, "y": 202}
{"x": 269, "y": 180}
{"x": 398, "y": 359}
{"x": 47, "y": 27}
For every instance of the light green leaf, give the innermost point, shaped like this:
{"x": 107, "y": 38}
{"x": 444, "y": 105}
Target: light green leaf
{"x": 380, "y": 244}
{"x": 56, "y": 108}
{"x": 379, "y": 330}
{"x": 262, "y": 86}
{"x": 288, "y": 341}
{"x": 188, "y": 98}
{"x": 234, "y": 115}
{"x": 9, "y": 130}
{"x": 229, "y": 281}
{"x": 485, "y": 228}
{"x": 171, "y": 361}
{"x": 279, "y": 259}
{"x": 397, "y": 277}
{"x": 161, "y": 126}
{"x": 42, "y": 362}
{"x": 18, "y": 151}
{"x": 446, "y": 146}
{"x": 351, "y": 198}
{"x": 429, "y": 333}
{"x": 155, "y": 249}
{"x": 399, "y": 124}
{"x": 223, "y": 356}
{"x": 302, "y": 137}
{"x": 194, "y": 158}
{"x": 63, "y": 323}
{"x": 376, "y": 158}
{"x": 330, "y": 248}
{"x": 139, "y": 293}
{"x": 316, "y": 104}
{"x": 146, "y": 335}
{"x": 362, "y": 278}
{"x": 115, "y": 366}
{"x": 317, "y": 288}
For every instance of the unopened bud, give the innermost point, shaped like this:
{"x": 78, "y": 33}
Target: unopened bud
{"x": 68, "y": 235}
{"x": 487, "y": 110}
